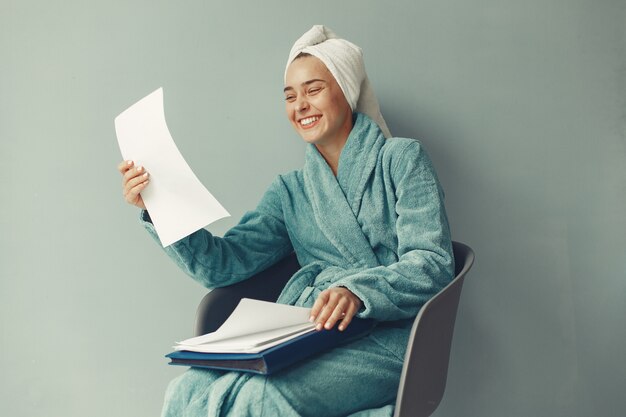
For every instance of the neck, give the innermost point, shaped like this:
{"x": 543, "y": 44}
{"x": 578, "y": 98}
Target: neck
{"x": 331, "y": 149}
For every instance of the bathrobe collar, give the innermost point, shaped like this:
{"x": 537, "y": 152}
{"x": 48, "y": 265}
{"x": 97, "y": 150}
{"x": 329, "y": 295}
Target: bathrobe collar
{"x": 336, "y": 201}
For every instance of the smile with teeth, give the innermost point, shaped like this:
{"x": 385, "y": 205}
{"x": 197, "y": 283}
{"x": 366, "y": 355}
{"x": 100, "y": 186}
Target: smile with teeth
{"x": 309, "y": 121}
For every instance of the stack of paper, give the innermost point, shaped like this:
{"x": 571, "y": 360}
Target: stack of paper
{"x": 263, "y": 338}
{"x": 253, "y": 327}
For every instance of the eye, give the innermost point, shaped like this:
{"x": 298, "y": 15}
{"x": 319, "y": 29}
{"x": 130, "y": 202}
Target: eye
{"x": 290, "y": 98}
{"x": 314, "y": 90}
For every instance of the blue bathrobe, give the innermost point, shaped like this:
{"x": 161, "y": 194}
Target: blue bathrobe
{"x": 378, "y": 228}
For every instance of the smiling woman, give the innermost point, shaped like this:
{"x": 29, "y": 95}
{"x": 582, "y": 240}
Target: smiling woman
{"x": 366, "y": 219}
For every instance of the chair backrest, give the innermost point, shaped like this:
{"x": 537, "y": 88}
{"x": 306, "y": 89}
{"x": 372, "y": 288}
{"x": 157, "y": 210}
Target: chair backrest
{"x": 425, "y": 369}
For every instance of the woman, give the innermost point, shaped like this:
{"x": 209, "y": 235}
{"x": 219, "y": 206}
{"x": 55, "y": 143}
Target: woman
{"x": 366, "y": 219}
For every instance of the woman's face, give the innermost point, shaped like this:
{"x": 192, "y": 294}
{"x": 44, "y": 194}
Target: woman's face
{"x": 315, "y": 104}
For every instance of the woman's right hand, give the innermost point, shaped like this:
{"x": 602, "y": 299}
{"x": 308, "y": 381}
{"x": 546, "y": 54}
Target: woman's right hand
{"x": 134, "y": 180}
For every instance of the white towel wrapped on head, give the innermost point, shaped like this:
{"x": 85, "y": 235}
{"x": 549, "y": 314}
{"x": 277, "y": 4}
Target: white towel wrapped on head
{"x": 344, "y": 60}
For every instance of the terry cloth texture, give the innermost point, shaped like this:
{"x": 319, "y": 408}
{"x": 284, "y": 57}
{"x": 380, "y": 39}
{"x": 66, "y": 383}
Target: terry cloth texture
{"x": 378, "y": 228}
{"x": 344, "y": 60}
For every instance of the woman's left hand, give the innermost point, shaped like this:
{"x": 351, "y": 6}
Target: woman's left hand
{"x": 335, "y": 304}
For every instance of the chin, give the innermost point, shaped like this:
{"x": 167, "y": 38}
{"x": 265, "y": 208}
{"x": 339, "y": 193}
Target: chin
{"x": 314, "y": 136}
{"x": 314, "y": 139}
{"x": 308, "y": 137}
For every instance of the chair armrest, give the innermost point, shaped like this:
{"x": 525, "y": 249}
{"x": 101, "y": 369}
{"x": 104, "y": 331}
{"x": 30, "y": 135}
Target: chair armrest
{"x": 217, "y": 305}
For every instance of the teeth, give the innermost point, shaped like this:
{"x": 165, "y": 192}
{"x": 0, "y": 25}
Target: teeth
{"x": 309, "y": 120}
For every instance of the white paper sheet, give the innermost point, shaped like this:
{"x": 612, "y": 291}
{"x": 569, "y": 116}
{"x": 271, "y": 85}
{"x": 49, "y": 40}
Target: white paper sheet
{"x": 253, "y": 326}
{"x": 177, "y": 201}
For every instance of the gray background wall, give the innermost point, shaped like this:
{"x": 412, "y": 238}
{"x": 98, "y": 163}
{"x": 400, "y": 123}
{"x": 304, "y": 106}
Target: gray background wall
{"x": 520, "y": 104}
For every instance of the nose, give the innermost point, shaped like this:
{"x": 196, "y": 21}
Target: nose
{"x": 301, "y": 105}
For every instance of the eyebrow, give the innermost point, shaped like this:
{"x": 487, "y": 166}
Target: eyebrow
{"x": 305, "y": 83}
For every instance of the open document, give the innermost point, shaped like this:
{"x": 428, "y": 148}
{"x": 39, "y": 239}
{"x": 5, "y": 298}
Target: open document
{"x": 177, "y": 201}
{"x": 253, "y": 327}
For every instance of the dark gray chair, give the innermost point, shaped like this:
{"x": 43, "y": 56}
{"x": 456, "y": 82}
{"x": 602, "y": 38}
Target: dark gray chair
{"x": 425, "y": 370}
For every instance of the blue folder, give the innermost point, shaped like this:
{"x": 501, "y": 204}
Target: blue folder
{"x": 278, "y": 357}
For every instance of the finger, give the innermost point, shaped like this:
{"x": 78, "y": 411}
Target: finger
{"x": 124, "y": 166}
{"x": 319, "y": 304}
{"x": 349, "y": 314}
{"x": 327, "y": 310}
{"x": 131, "y": 194}
{"x": 337, "y": 314}
{"x": 131, "y": 173}
{"x": 135, "y": 181}
{"x": 134, "y": 178}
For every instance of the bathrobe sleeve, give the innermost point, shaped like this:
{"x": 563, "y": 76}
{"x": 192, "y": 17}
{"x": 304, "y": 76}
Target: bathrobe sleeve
{"x": 425, "y": 260}
{"x": 259, "y": 240}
